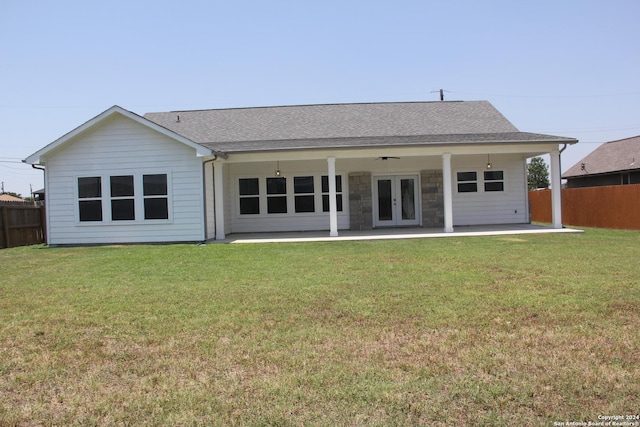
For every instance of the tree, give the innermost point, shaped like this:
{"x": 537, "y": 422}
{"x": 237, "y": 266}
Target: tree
{"x": 538, "y": 173}
{"x": 11, "y": 193}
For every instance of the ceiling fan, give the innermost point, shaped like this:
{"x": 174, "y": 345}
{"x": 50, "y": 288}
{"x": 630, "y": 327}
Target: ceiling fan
{"x": 387, "y": 158}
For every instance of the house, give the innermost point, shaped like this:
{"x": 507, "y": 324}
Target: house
{"x": 9, "y": 198}
{"x": 39, "y": 195}
{"x": 201, "y": 175}
{"x": 612, "y": 163}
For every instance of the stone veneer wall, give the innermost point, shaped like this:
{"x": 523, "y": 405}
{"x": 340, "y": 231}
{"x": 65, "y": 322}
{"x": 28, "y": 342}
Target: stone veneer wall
{"x": 432, "y": 198}
{"x": 360, "y": 201}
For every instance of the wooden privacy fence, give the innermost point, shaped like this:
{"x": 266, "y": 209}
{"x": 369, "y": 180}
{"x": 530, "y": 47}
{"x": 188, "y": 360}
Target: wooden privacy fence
{"x": 21, "y": 224}
{"x": 614, "y": 206}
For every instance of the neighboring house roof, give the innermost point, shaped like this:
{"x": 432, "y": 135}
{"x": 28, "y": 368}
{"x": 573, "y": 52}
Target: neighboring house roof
{"x": 10, "y": 198}
{"x": 611, "y": 157}
{"x": 35, "y": 157}
{"x": 346, "y": 125}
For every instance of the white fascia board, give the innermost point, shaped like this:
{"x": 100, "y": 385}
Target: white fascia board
{"x": 400, "y": 151}
{"x": 35, "y": 158}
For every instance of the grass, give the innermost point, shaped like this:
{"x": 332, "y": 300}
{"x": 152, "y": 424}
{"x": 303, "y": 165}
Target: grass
{"x": 511, "y": 330}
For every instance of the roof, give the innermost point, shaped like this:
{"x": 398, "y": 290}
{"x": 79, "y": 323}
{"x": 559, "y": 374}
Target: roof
{"x": 10, "y": 198}
{"x": 346, "y": 125}
{"x": 610, "y": 157}
{"x": 36, "y": 157}
{"x": 382, "y": 141}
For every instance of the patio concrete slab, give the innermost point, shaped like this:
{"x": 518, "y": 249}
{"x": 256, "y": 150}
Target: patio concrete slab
{"x": 393, "y": 233}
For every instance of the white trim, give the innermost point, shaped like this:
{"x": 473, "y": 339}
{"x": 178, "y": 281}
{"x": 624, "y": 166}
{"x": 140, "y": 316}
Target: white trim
{"x": 556, "y": 189}
{"x": 480, "y": 181}
{"x": 138, "y": 198}
{"x": 290, "y": 194}
{"x": 36, "y": 157}
{"x": 219, "y": 199}
{"x": 447, "y": 192}
{"x": 397, "y": 220}
{"x": 526, "y": 149}
{"x": 333, "y": 206}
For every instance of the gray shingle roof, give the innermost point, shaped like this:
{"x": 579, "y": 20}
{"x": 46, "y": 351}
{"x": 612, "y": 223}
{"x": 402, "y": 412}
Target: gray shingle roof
{"x": 613, "y": 156}
{"x": 345, "y": 125}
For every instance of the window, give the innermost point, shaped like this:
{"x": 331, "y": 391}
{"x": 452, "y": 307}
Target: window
{"x": 276, "y": 195}
{"x": 122, "y": 200}
{"x": 249, "y": 196}
{"x": 493, "y": 181}
{"x": 467, "y": 182}
{"x": 304, "y": 194}
{"x": 325, "y": 193}
{"x": 300, "y": 195}
{"x": 156, "y": 200}
{"x": 625, "y": 178}
{"x": 90, "y": 198}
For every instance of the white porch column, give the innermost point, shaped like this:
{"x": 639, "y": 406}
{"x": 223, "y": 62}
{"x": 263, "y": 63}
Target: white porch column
{"x": 219, "y": 199}
{"x": 447, "y": 193}
{"x": 556, "y": 189}
{"x": 333, "y": 207}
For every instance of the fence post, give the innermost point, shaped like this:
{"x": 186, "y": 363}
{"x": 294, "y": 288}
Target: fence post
{"x": 5, "y": 226}
{"x": 43, "y": 223}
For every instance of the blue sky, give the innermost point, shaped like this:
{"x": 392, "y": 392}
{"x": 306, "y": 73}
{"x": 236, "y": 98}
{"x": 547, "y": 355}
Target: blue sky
{"x": 567, "y": 68}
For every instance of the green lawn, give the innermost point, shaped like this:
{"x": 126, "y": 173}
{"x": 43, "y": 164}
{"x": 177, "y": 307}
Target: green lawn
{"x": 511, "y": 330}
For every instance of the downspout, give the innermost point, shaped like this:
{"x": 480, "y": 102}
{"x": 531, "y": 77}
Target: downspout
{"x": 560, "y": 161}
{"x": 41, "y": 168}
{"x": 204, "y": 195}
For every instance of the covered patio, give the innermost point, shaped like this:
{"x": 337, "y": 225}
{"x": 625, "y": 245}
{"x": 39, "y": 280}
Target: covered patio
{"x": 394, "y": 234}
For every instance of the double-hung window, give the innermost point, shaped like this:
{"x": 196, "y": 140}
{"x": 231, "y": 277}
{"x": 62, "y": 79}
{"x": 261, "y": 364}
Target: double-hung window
{"x": 122, "y": 198}
{"x": 325, "y": 193}
{"x": 304, "y": 196}
{"x": 90, "y": 198}
{"x": 276, "y": 195}
{"x": 156, "y": 197}
{"x": 249, "y": 190}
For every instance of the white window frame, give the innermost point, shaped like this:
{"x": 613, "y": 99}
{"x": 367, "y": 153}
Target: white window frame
{"x": 290, "y": 194}
{"x": 480, "y": 182}
{"x": 249, "y": 196}
{"x": 111, "y": 199}
{"x": 105, "y": 178}
{"x": 476, "y": 181}
{"x": 492, "y": 181}
{"x": 338, "y": 193}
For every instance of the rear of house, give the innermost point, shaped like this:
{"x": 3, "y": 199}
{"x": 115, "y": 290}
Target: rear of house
{"x": 200, "y": 175}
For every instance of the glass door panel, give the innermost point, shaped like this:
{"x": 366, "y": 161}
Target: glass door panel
{"x": 385, "y": 200}
{"x": 408, "y": 201}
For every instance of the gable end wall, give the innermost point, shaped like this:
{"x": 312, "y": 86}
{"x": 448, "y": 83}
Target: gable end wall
{"x": 120, "y": 146}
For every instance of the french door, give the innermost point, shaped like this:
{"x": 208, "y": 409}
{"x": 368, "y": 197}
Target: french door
{"x": 395, "y": 201}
